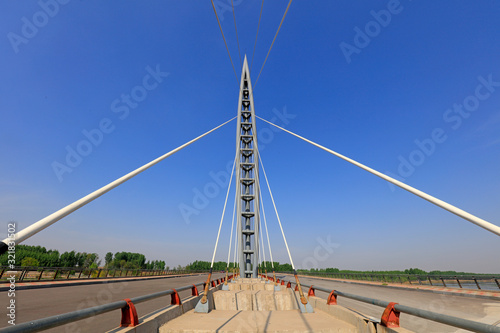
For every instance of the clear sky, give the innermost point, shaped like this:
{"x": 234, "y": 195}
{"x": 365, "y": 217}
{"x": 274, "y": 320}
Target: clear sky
{"x": 410, "y": 88}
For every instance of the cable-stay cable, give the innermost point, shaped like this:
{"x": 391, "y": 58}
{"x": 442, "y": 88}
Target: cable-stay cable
{"x": 257, "y": 34}
{"x": 262, "y": 248}
{"x": 227, "y": 48}
{"x": 299, "y": 287}
{"x": 440, "y": 203}
{"x": 236, "y": 29}
{"x": 230, "y": 239}
{"x": 276, "y": 211}
{"x": 284, "y": 15}
{"x": 267, "y": 234}
{"x": 54, "y": 217}
{"x": 236, "y": 241}
{"x": 207, "y": 285}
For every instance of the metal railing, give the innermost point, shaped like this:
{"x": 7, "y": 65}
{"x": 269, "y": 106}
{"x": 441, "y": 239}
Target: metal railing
{"x": 129, "y": 314}
{"x": 31, "y": 274}
{"x": 390, "y": 317}
{"x": 482, "y": 282}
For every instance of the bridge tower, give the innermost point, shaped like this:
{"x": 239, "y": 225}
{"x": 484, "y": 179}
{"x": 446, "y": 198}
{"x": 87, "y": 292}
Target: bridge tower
{"x": 247, "y": 179}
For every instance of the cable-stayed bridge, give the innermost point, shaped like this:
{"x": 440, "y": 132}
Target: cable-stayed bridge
{"x": 288, "y": 293}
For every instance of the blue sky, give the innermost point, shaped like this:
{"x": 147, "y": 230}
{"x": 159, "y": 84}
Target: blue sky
{"x": 371, "y": 96}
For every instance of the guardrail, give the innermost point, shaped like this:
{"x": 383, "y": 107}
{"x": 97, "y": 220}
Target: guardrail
{"x": 129, "y": 314}
{"x": 456, "y": 281}
{"x": 31, "y": 274}
{"x": 390, "y": 316}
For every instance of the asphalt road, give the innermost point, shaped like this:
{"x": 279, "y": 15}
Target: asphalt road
{"x": 477, "y": 309}
{"x": 34, "y": 304}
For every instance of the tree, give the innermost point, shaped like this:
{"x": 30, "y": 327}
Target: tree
{"x": 28, "y": 261}
{"x": 108, "y": 258}
{"x": 415, "y": 271}
{"x": 68, "y": 259}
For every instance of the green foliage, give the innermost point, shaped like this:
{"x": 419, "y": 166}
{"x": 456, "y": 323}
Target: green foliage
{"x": 29, "y": 262}
{"x": 415, "y": 271}
{"x": 51, "y": 258}
{"x": 27, "y": 255}
{"x": 409, "y": 271}
{"x": 108, "y": 258}
{"x": 128, "y": 260}
{"x": 155, "y": 264}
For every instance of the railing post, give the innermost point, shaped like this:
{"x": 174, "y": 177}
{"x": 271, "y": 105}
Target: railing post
{"x": 442, "y": 280}
{"x": 390, "y": 317}
{"x": 332, "y": 298}
{"x": 458, "y": 281}
{"x": 400, "y": 281}
{"x": 21, "y": 277}
{"x": 39, "y": 276}
{"x": 477, "y": 284}
{"x": 311, "y": 292}
{"x": 55, "y": 274}
{"x": 99, "y": 273}
{"x": 81, "y": 271}
{"x": 409, "y": 280}
{"x": 496, "y": 280}
{"x": 129, "y": 315}
{"x": 69, "y": 273}
{"x": 175, "y": 300}
{"x": 419, "y": 281}
{"x": 428, "y": 277}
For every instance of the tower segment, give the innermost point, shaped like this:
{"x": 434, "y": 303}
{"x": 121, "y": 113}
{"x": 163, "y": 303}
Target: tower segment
{"x": 247, "y": 179}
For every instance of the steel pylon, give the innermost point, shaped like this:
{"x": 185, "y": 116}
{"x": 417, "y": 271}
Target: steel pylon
{"x": 247, "y": 179}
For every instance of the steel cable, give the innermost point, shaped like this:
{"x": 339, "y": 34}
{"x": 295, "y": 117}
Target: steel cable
{"x": 284, "y": 15}
{"x": 257, "y": 34}
{"x": 227, "y": 48}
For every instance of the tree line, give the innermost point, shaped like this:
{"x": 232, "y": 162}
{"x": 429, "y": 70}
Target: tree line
{"x": 27, "y": 255}
{"x": 39, "y": 256}
{"x": 129, "y": 260}
{"x": 409, "y": 271}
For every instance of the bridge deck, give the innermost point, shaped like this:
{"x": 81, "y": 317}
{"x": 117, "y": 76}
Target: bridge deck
{"x": 250, "y": 305}
{"x": 256, "y": 321}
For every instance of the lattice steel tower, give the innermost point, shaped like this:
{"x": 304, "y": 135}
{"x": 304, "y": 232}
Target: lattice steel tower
{"x": 247, "y": 179}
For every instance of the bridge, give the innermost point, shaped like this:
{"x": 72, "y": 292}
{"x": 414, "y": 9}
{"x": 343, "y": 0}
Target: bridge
{"x": 249, "y": 296}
